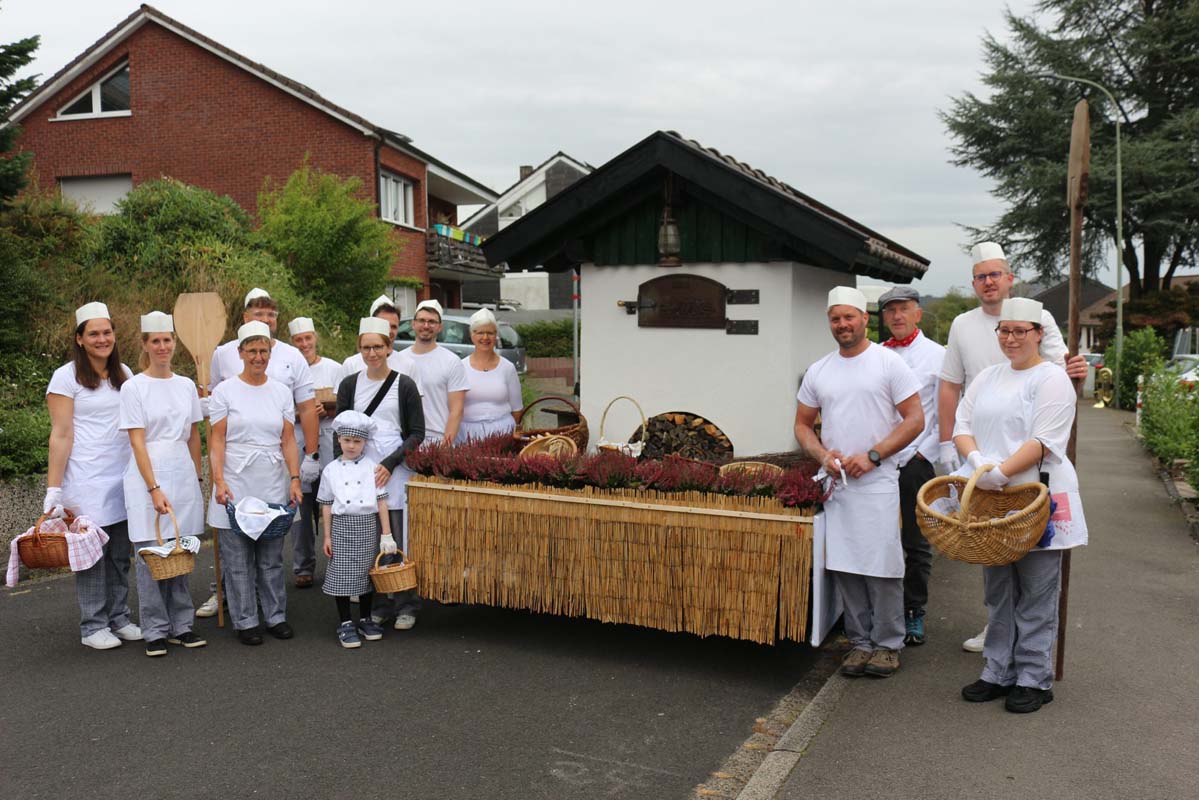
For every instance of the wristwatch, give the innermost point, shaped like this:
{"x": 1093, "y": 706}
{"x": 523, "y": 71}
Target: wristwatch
{"x": 874, "y": 457}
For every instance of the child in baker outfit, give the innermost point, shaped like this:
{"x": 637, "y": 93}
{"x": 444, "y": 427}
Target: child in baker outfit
{"x": 353, "y": 512}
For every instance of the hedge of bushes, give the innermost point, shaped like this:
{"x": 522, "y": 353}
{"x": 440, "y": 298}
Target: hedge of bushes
{"x": 547, "y": 339}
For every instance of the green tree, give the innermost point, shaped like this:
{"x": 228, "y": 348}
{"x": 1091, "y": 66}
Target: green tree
{"x": 12, "y": 167}
{"x": 320, "y": 226}
{"x": 1147, "y": 55}
{"x": 939, "y": 313}
{"x": 1144, "y": 351}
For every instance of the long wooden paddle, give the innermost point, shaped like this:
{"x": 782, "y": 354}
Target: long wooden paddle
{"x": 200, "y": 325}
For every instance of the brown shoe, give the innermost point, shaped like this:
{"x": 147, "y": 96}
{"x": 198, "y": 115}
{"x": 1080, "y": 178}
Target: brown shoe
{"x": 854, "y": 663}
{"x": 882, "y": 663}
{"x": 303, "y": 581}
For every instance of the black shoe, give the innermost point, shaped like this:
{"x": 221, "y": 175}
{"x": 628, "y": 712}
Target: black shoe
{"x": 250, "y": 635}
{"x": 281, "y": 631}
{"x": 188, "y": 639}
{"x": 914, "y": 627}
{"x": 157, "y": 647}
{"x": 1025, "y": 699}
{"x": 984, "y": 691}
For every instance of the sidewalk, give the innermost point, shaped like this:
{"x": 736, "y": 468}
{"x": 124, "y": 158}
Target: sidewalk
{"x": 1125, "y": 719}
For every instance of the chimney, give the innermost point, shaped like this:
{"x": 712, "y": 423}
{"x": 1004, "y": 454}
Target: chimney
{"x": 525, "y": 171}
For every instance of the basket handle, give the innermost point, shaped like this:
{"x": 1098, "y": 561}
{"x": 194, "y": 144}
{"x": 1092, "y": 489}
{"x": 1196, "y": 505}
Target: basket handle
{"x": 158, "y": 532}
{"x": 969, "y": 490}
{"x": 524, "y": 411}
{"x": 68, "y": 519}
{"x": 640, "y": 411}
{"x": 398, "y": 552}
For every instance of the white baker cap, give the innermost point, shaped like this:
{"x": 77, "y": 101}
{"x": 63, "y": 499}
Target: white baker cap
{"x": 158, "y": 322}
{"x": 1021, "y": 309}
{"x": 252, "y": 329}
{"x": 374, "y": 325}
{"x": 986, "y": 251}
{"x": 381, "y": 300}
{"x": 847, "y": 296}
{"x": 353, "y": 423}
{"x": 482, "y": 317}
{"x": 431, "y": 305}
{"x": 301, "y": 325}
{"x": 254, "y": 294}
{"x": 91, "y": 311}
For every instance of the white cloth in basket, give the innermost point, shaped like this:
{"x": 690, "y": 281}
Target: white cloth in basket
{"x": 254, "y": 515}
{"x": 189, "y": 543}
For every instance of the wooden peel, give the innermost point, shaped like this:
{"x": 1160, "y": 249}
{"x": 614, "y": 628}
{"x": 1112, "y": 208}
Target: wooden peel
{"x": 200, "y": 325}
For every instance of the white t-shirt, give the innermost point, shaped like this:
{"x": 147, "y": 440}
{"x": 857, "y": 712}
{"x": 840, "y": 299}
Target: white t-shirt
{"x": 355, "y": 364}
{"x": 326, "y": 373}
{"x": 388, "y": 412}
{"x": 165, "y": 408}
{"x": 493, "y": 393}
{"x": 974, "y": 346}
{"x": 857, "y": 398}
{"x": 924, "y": 356}
{"x": 436, "y": 373}
{"x": 93, "y": 482}
{"x": 287, "y": 366}
{"x": 255, "y": 413}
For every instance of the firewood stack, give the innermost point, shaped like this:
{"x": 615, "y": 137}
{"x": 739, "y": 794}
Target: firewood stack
{"x": 688, "y": 435}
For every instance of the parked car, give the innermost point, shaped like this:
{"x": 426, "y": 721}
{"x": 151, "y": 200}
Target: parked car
{"x": 1186, "y": 368}
{"x": 455, "y": 336}
{"x": 1094, "y": 359}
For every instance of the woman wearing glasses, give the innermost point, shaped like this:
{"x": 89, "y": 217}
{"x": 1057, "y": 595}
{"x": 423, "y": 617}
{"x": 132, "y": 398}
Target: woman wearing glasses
{"x": 1017, "y": 416}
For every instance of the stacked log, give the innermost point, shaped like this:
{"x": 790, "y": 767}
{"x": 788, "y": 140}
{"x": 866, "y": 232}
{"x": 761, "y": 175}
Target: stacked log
{"x": 681, "y": 433}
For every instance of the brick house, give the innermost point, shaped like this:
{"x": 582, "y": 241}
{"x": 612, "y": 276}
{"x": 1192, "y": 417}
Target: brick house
{"x": 155, "y": 98}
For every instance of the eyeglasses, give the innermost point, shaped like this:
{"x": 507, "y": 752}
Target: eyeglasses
{"x": 373, "y": 348}
{"x": 992, "y": 276}
{"x": 1018, "y": 334}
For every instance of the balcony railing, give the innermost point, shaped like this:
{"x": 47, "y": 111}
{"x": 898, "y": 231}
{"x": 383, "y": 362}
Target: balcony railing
{"x": 455, "y": 250}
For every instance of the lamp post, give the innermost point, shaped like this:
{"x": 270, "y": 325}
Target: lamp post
{"x": 1119, "y": 222}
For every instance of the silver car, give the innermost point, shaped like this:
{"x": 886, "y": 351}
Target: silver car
{"x": 455, "y": 336}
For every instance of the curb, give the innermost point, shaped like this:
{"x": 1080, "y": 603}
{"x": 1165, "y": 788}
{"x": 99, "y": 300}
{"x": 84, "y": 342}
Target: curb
{"x": 1191, "y": 517}
{"x": 769, "y": 778}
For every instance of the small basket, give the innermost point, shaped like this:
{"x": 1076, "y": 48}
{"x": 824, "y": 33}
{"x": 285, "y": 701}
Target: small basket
{"x": 277, "y": 528}
{"x": 327, "y": 398}
{"x": 393, "y": 577}
{"x": 45, "y": 550}
{"x": 628, "y": 448}
{"x": 982, "y": 533}
{"x": 179, "y": 562}
{"x": 756, "y": 469}
{"x": 552, "y": 445}
{"x": 578, "y": 432}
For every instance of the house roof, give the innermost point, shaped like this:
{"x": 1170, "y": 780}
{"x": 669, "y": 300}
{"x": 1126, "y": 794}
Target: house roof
{"x": 1104, "y": 305}
{"x": 1056, "y": 298}
{"x": 827, "y": 237}
{"x": 523, "y": 184}
{"x": 147, "y": 14}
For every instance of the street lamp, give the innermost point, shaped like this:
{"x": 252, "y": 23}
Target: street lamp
{"x": 1119, "y": 222}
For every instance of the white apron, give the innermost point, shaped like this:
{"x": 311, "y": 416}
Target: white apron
{"x": 176, "y": 474}
{"x": 92, "y": 485}
{"x": 383, "y": 442}
{"x": 862, "y": 530}
{"x": 251, "y": 471}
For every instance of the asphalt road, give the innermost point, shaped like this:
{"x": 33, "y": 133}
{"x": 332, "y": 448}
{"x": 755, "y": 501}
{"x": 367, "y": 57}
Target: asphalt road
{"x": 474, "y": 702}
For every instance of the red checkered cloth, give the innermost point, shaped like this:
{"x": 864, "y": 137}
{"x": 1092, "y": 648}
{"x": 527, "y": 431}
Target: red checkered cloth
{"x": 85, "y": 545}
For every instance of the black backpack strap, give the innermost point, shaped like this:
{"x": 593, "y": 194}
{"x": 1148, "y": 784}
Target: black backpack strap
{"x": 379, "y": 395}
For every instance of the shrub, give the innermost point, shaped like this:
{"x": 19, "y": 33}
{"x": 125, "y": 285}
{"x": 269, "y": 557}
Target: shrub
{"x": 1170, "y": 417}
{"x": 24, "y": 420}
{"x": 548, "y": 339}
{"x": 1144, "y": 352}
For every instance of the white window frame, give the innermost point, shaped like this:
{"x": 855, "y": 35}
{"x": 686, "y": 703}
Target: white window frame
{"x": 94, "y": 91}
{"x": 396, "y": 190}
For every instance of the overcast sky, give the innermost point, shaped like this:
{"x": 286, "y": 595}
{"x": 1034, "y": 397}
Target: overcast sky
{"x": 837, "y": 99}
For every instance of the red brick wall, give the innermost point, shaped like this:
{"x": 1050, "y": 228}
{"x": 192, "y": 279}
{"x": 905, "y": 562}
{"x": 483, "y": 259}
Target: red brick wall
{"x": 204, "y": 121}
{"x": 411, "y": 260}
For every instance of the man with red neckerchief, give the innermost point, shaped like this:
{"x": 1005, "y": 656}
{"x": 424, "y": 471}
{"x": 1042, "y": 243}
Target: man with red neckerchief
{"x": 901, "y": 312}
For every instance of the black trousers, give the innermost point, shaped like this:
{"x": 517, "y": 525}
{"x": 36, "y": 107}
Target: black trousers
{"x": 917, "y": 553}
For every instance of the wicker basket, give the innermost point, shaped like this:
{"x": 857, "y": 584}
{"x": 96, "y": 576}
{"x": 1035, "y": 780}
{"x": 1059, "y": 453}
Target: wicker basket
{"x": 277, "y": 528}
{"x": 985, "y": 531}
{"x": 550, "y": 445}
{"x": 179, "y": 562}
{"x": 393, "y": 577}
{"x": 757, "y": 469}
{"x": 633, "y": 449}
{"x": 578, "y": 432}
{"x": 45, "y": 549}
{"x": 327, "y": 397}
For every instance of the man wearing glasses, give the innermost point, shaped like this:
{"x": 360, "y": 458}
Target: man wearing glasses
{"x": 973, "y": 346}
{"x": 438, "y": 373}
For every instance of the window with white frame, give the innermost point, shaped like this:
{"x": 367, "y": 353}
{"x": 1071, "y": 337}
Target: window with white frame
{"x": 396, "y": 199}
{"x": 107, "y": 97}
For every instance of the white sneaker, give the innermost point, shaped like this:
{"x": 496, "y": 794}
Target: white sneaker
{"x": 405, "y": 622}
{"x": 101, "y": 640}
{"x": 975, "y": 644}
{"x": 207, "y": 608}
{"x": 128, "y": 633}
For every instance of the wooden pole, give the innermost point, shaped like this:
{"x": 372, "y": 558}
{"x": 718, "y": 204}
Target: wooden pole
{"x": 1076, "y": 198}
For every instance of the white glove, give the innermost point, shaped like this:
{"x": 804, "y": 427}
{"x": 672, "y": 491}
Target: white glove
{"x": 992, "y": 480}
{"x": 310, "y": 472}
{"x": 975, "y": 460}
{"x": 949, "y": 456}
{"x": 204, "y": 407}
{"x": 387, "y": 545}
{"x": 52, "y": 505}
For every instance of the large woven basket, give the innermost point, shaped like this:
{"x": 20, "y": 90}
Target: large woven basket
{"x": 277, "y": 528}
{"x": 549, "y": 445}
{"x": 394, "y": 577}
{"x": 629, "y": 448}
{"x": 993, "y": 528}
{"x": 179, "y": 562}
{"x": 45, "y": 549}
{"x": 578, "y": 432}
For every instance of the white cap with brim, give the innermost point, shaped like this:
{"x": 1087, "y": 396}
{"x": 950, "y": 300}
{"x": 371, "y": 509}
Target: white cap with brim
{"x": 254, "y": 294}
{"x": 482, "y": 317}
{"x": 158, "y": 322}
{"x": 428, "y": 305}
{"x": 88, "y": 311}
{"x": 301, "y": 325}
{"x": 374, "y": 325}
{"x": 253, "y": 329}
{"x": 847, "y": 296}
{"x": 381, "y": 300}
{"x": 1021, "y": 309}
{"x": 986, "y": 251}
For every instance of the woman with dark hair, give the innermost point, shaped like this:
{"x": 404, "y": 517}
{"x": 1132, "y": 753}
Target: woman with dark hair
{"x": 88, "y": 454}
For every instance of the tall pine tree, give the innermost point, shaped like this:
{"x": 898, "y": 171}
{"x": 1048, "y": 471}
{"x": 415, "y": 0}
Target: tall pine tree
{"x": 13, "y": 57}
{"x": 1146, "y": 52}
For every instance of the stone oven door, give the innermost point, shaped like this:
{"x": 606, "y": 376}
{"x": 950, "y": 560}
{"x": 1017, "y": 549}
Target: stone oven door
{"x": 681, "y": 301}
